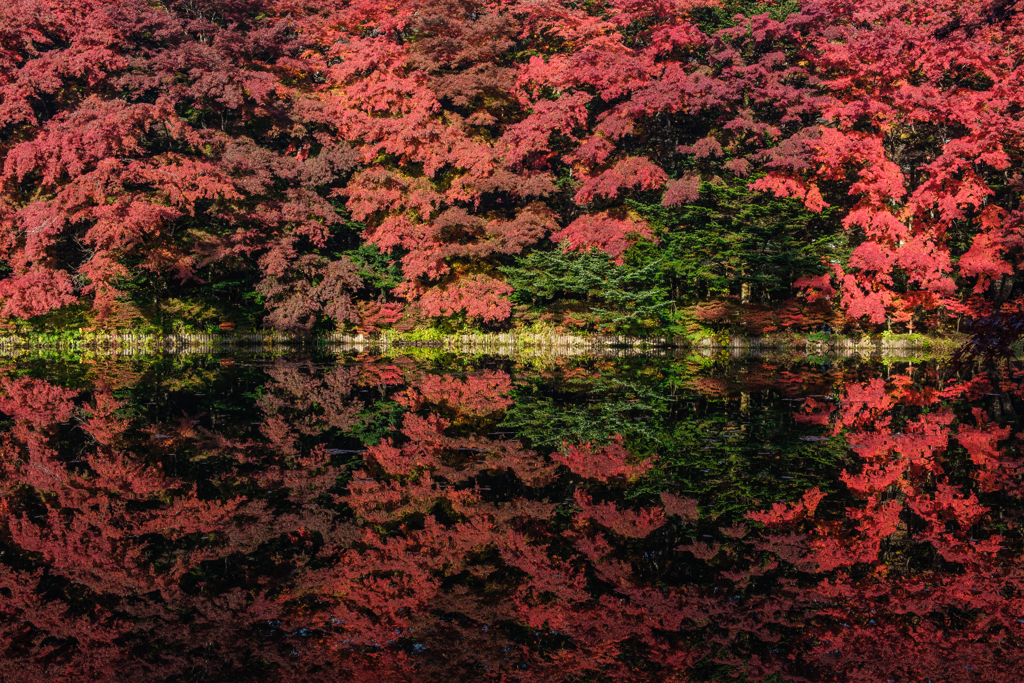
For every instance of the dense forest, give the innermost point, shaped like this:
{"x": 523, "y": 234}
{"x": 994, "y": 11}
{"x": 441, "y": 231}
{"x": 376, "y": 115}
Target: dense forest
{"x": 600, "y": 165}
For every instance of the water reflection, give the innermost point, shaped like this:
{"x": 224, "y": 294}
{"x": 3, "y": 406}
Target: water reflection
{"x": 379, "y": 519}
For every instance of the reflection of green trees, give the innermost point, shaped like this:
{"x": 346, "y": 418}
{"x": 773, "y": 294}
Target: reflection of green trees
{"x": 591, "y": 402}
{"x": 735, "y": 458}
{"x": 735, "y": 452}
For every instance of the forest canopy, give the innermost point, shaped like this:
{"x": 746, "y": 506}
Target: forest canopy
{"x": 613, "y": 164}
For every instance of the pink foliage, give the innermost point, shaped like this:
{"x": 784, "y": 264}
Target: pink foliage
{"x": 479, "y": 296}
{"x": 36, "y": 291}
{"x": 604, "y": 232}
{"x": 685, "y": 190}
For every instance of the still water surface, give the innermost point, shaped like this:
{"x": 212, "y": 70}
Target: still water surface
{"x": 446, "y": 518}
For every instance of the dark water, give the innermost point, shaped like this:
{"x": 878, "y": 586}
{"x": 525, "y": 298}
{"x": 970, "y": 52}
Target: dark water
{"x": 457, "y": 519}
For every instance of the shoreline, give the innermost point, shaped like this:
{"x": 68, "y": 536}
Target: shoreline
{"x": 510, "y": 343}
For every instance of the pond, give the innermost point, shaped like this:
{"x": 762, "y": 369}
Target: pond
{"x": 440, "y": 517}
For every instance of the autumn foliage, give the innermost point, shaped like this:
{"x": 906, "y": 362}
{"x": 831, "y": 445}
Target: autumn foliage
{"x": 150, "y": 150}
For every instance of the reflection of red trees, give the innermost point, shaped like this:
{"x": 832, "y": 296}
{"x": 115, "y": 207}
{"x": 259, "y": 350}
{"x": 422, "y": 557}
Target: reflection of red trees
{"x": 911, "y": 583}
{"x": 602, "y": 464}
{"x": 478, "y": 394}
{"x": 453, "y": 554}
